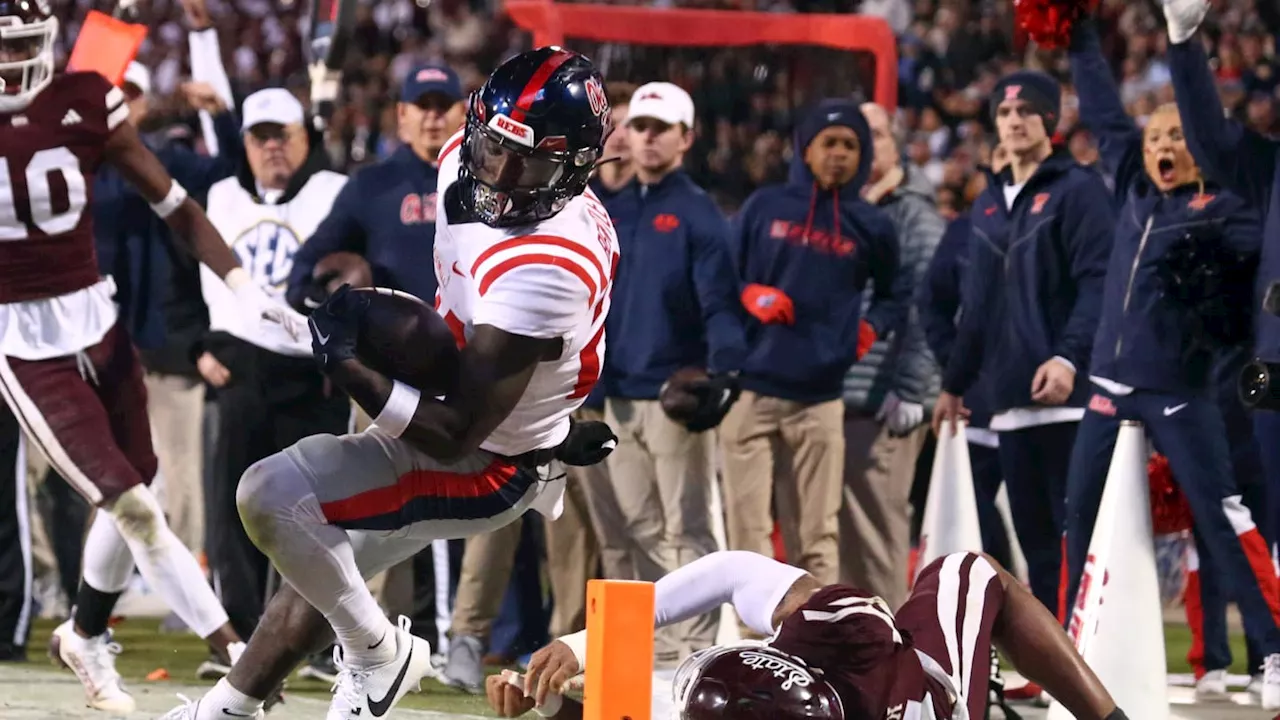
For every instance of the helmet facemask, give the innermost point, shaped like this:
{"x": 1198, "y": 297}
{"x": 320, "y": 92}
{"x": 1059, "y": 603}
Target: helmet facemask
{"x": 511, "y": 183}
{"x": 26, "y": 59}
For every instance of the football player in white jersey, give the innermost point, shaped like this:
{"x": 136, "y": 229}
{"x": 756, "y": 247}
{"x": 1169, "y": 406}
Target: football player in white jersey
{"x": 525, "y": 260}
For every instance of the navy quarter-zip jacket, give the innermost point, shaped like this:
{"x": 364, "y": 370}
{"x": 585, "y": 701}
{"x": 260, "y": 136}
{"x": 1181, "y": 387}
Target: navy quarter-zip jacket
{"x": 1143, "y": 339}
{"x": 1034, "y": 288}
{"x": 675, "y": 298}
{"x": 385, "y": 213}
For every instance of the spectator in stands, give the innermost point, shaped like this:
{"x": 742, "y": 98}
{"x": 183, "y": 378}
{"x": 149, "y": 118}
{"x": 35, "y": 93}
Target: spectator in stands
{"x": 1032, "y": 299}
{"x": 804, "y": 252}
{"x": 675, "y": 306}
{"x": 884, "y": 393}
{"x": 266, "y": 401}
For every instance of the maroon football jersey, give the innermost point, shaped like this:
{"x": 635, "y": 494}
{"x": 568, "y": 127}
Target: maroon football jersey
{"x": 871, "y": 662}
{"x": 49, "y": 152}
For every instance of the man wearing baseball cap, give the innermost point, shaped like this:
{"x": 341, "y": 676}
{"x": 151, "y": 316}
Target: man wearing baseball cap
{"x": 675, "y": 306}
{"x": 266, "y": 401}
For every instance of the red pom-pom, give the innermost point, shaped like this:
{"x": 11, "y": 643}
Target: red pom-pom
{"x": 1170, "y": 511}
{"x": 1049, "y": 22}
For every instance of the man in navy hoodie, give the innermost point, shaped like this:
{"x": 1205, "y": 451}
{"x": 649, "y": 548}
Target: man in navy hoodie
{"x": 805, "y": 252}
{"x": 1154, "y": 353}
{"x": 1043, "y": 231}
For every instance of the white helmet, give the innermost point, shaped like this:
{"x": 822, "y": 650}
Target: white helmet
{"x": 27, "y": 32}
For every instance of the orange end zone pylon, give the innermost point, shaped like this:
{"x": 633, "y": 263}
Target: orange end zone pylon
{"x": 106, "y": 45}
{"x": 619, "y": 682}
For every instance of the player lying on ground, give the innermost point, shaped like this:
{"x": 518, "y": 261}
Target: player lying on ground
{"x": 525, "y": 262}
{"x": 838, "y": 653}
{"x": 68, "y": 369}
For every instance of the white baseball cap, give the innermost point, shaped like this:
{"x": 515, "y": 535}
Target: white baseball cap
{"x": 272, "y": 105}
{"x": 661, "y": 101}
{"x": 139, "y": 76}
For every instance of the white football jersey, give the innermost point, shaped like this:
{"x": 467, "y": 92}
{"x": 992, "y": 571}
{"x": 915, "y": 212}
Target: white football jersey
{"x": 549, "y": 280}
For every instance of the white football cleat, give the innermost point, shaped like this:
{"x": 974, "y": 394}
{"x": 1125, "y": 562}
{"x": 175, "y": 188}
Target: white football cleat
{"x": 1212, "y": 687}
{"x": 1271, "y": 682}
{"x": 190, "y": 710}
{"x": 362, "y": 693}
{"x": 93, "y": 660}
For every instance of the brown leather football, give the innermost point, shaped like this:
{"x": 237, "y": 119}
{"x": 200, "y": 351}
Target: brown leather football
{"x": 343, "y": 268}
{"x": 675, "y": 397}
{"x": 404, "y": 338}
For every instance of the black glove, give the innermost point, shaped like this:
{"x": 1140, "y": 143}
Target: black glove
{"x": 715, "y": 395}
{"x": 588, "y": 443}
{"x": 335, "y": 325}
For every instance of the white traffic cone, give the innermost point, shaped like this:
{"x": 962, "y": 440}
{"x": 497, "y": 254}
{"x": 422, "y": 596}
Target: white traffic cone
{"x": 1117, "y": 622}
{"x": 951, "y": 510}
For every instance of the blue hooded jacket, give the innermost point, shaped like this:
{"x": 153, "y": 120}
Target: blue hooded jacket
{"x": 1034, "y": 288}
{"x": 1242, "y": 160}
{"x": 939, "y": 302}
{"x": 820, "y": 247}
{"x": 1144, "y": 340}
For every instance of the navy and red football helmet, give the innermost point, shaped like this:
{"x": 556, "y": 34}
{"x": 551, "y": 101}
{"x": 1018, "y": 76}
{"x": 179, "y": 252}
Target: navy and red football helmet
{"x": 752, "y": 682}
{"x": 534, "y": 134}
{"x": 27, "y": 32}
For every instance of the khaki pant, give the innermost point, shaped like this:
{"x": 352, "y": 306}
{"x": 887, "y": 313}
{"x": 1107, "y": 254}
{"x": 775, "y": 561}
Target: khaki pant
{"x": 661, "y": 475}
{"x": 615, "y": 544}
{"x": 175, "y": 404}
{"x": 875, "y": 520}
{"x": 572, "y": 558}
{"x": 807, "y": 444}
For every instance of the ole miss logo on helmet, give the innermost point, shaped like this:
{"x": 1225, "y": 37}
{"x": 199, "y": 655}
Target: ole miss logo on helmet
{"x": 596, "y": 97}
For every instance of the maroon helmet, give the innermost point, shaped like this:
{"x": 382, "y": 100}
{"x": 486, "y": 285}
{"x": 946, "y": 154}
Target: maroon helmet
{"x": 753, "y": 682}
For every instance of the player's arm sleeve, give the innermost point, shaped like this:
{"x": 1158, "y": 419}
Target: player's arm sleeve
{"x": 713, "y": 279}
{"x": 117, "y": 107}
{"x": 340, "y": 231}
{"x": 755, "y": 584}
{"x": 535, "y": 290}
{"x": 1119, "y": 140}
{"x": 1224, "y": 149}
{"x": 206, "y": 66}
{"x": 1088, "y": 233}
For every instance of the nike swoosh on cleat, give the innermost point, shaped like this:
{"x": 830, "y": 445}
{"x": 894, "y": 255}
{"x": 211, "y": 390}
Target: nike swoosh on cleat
{"x": 384, "y": 637}
{"x": 380, "y": 707}
{"x": 231, "y": 714}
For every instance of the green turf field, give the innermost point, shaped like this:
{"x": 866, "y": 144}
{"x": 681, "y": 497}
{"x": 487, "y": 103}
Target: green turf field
{"x": 146, "y": 650}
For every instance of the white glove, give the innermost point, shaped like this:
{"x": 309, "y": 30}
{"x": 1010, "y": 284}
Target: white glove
{"x": 275, "y": 326}
{"x": 899, "y": 416}
{"x": 1183, "y": 18}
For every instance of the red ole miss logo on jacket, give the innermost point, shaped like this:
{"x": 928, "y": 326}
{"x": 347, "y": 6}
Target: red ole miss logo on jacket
{"x": 824, "y": 241}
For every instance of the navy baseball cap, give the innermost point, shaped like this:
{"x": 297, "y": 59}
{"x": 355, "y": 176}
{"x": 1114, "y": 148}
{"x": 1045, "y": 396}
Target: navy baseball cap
{"x": 431, "y": 78}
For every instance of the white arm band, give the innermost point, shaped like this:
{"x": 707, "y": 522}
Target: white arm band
{"x": 164, "y": 208}
{"x": 398, "y": 412}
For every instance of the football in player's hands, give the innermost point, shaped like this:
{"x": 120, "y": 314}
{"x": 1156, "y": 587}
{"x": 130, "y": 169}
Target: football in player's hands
{"x": 405, "y": 339}
{"x": 589, "y": 442}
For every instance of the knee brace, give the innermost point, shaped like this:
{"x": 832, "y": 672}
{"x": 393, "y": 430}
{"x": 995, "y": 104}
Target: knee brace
{"x": 138, "y": 515}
